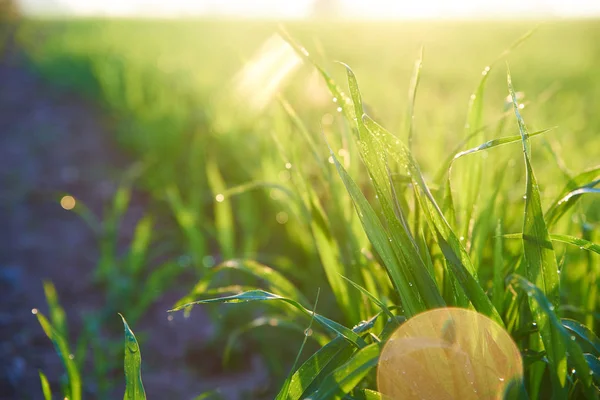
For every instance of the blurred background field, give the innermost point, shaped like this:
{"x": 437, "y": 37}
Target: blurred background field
{"x": 224, "y": 173}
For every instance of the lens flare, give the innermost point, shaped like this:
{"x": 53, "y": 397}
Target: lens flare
{"x": 449, "y": 353}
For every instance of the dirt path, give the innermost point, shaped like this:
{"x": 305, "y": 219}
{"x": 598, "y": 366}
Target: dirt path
{"x": 52, "y": 142}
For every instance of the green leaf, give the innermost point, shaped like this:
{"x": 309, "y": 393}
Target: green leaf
{"x": 594, "y": 364}
{"x": 45, "y": 386}
{"x": 347, "y": 376}
{"x": 134, "y": 388}
{"x": 372, "y": 297}
{"x": 412, "y": 97}
{"x": 261, "y": 295}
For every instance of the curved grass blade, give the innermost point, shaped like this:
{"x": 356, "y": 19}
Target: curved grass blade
{"x": 134, "y": 388}
{"x": 585, "y": 179}
{"x": 498, "y": 142}
{"x": 45, "y": 386}
{"x": 346, "y": 377}
{"x": 556, "y": 338}
{"x": 575, "y": 241}
{"x": 62, "y": 348}
{"x": 594, "y": 364}
{"x": 583, "y": 332}
{"x": 261, "y": 295}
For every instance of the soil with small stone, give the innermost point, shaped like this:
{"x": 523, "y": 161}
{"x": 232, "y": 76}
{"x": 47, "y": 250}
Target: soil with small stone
{"x": 54, "y": 142}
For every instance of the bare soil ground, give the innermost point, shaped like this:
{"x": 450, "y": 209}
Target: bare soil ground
{"x": 53, "y": 142}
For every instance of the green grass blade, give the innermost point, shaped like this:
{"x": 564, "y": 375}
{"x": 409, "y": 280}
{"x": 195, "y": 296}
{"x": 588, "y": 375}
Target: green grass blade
{"x": 594, "y": 365}
{"x": 134, "y": 388}
{"x": 498, "y": 277}
{"x": 371, "y": 297}
{"x": 327, "y": 358}
{"x": 583, "y": 332}
{"x": 497, "y": 142}
{"x": 261, "y": 295}
{"x": 347, "y": 376}
{"x": 224, "y": 221}
{"x": 412, "y": 98}
{"x": 560, "y": 340}
{"x": 585, "y": 179}
{"x": 575, "y": 241}
{"x": 45, "y": 386}
{"x": 139, "y": 247}
{"x": 58, "y": 317}
{"x": 449, "y": 243}
{"x": 540, "y": 260}
{"x": 62, "y": 349}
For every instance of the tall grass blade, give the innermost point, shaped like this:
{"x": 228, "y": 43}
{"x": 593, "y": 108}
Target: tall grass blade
{"x": 45, "y": 386}
{"x": 134, "y": 388}
{"x": 540, "y": 261}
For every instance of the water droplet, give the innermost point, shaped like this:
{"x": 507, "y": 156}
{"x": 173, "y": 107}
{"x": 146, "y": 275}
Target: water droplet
{"x": 485, "y": 71}
{"x": 308, "y": 332}
{"x": 501, "y": 379}
{"x": 339, "y": 109}
{"x": 34, "y": 311}
{"x": 525, "y": 197}
{"x": 462, "y": 238}
{"x": 330, "y": 160}
{"x": 71, "y": 357}
{"x": 573, "y": 371}
{"x": 473, "y": 97}
{"x": 335, "y": 99}
{"x": 282, "y": 217}
{"x": 169, "y": 318}
{"x": 521, "y": 106}
{"x": 288, "y": 165}
{"x": 534, "y": 324}
{"x": 410, "y": 284}
{"x": 573, "y": 337}
{"x": 220, "y": 198}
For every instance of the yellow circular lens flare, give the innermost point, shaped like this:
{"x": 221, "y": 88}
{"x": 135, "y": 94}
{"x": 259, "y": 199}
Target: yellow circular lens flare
{"x": 68, "y": 202}
{"x": 448, "y": 353}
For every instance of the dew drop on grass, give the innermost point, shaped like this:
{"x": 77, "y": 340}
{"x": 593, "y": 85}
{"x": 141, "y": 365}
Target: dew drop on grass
{"x": 34, "y": 311}
{"x": 573, "y": 371}
{"x": 282, "y": 217}
{"x": 525, "y": 197}
{"x": 339, "y": 109}
{"x": 485, "y": 71}
{"x": 501, "y": 379}
{"x": 462, "y": 238}
{"x": 573, "y": 337}
{"x": 220, "y": 197}
{"x": 288, "y": 165}
{"x": 308, "y": 332}
{"x": 335, "y": 99}
{"x": 71, "y": 357}
{"x": 330, "y": 159}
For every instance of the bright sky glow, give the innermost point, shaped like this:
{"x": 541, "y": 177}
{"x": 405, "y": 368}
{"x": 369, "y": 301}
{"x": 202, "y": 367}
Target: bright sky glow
{"x": 406, "y": 9}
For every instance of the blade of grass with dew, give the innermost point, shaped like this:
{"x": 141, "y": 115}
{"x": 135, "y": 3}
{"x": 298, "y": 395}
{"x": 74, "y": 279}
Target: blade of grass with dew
{"x": 562, "y": 340}
{"x": 583, "y": 332}
{"x": 453, "y": 251}
{"x": 558, "y": 208}
{"x": 410, "y": 299}
{"x": 286, "y": 384}
{"x": 402, "y": 242}
{"x": 45, "y": 386}
{"x": 325, "y": 359}
{"x": 348, "y": 376}
{"x": 540, "y": 261}
{"x": 261, "y": 295}
{"x": 62, "y": 349}
{"x": 134, "y": 388}
{"x": 224, "y": 221}
{"x": 594, "y": 364}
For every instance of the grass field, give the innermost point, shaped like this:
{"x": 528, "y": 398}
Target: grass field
{"x": 258, "y": 185}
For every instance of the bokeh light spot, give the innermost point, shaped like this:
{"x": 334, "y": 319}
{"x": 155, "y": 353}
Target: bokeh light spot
{"x": 68, "y": 202}
{"x": 449, "y": 353}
